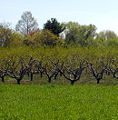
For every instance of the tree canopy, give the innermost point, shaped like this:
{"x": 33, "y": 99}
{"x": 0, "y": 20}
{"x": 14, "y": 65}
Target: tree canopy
{"x": 76, "y": 33}
{"x": 54, "y": 26}
{"x": 5, "y": 35}
{"x": 27, "y": 23}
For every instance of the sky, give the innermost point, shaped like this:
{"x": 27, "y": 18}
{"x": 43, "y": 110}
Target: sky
{"x": 102, "y": 13}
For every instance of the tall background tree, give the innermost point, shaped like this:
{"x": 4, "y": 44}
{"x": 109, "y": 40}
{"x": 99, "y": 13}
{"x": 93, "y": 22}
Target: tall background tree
{"x": 71, "y": 32}
{"x": 54, "y": 26}
{"x": 107, "y": 38}
{"x": 27, "y": 24}
{"x": 5, "y": 35}
{"x": 79, "y": 34}
{"x": 107, "y": 34}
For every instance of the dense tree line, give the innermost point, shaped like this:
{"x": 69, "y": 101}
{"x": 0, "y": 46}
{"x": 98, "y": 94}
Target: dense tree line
{"x": 54, "y": 33}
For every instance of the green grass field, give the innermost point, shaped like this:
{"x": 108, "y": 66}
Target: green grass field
{"x": 58, "y": 102}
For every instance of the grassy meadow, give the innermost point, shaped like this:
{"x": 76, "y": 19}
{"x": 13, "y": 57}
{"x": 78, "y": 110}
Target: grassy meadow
{"x": 58, "y": 102}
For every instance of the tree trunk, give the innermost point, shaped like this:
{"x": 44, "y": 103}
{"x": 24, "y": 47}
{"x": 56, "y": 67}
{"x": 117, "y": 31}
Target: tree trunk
{"x": 72, "y": 82}
{"x": 31, "y": 77}
{"x": 114, "y": 75}
{"x": 75, "y": 76}
{"x": 107, "y": 73}
{"x": 3, "y": 79}
{"x": 18, "y": 81}
{"x": 61, "y": 74}
{"x": 49, "y": 79}
{"x": 98, "y": 81}
{"x": 28, "y": 74}
{"x": 41, "y": 74}
{"x": 55, "y": 77}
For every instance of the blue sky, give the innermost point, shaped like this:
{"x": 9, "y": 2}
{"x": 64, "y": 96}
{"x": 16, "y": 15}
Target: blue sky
{"x": 102, "y": 13}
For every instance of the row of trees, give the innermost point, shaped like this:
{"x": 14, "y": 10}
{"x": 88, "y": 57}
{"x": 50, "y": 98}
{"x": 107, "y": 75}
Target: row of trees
{"x": 54, "y": 66}
{"x": 54, "y": 33}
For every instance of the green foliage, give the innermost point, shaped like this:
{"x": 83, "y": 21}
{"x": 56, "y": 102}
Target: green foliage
{"x": 42, "y": 38}
{"x": 106, "y": 38}
{"x": 112, "y": 42}
{"x": 72, "y": 35}
{"x": 86, "y": 32}
{"x": 49, "y": 39}
{"x": 16, "y": 39}
{"x": 106, "y": 35}
{"x": 79, "y": 34}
